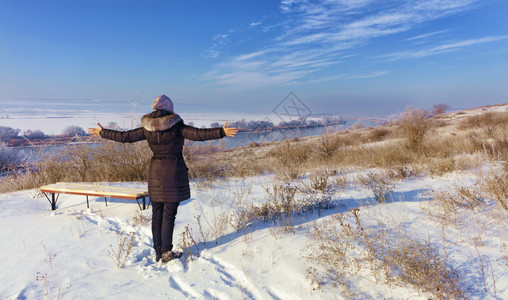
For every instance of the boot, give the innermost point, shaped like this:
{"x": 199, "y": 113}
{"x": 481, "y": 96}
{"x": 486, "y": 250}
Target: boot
{"x": 158, "y": 254}
{"x": 170, "y": 255}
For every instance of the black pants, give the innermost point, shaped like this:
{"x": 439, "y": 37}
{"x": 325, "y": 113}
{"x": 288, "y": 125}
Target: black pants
{"x": 163, "y": 223}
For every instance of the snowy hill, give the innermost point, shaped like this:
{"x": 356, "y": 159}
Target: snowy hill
{"x": 65, "y": 252}
{"x": 437, "y": 230}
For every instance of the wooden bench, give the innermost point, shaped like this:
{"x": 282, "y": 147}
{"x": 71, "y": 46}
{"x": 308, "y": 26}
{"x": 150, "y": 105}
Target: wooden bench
{"x": 93, "y": 190}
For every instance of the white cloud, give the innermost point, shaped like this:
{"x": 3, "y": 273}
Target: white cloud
{"x": 314, "y": 35}
{"x": 445, "y": 48}
{"x": 426, "y": 35}
{"x": 352, "y": 76}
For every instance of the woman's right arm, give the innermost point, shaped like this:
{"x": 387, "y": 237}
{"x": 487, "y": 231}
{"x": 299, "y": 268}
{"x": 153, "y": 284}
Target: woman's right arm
{"x": 129, "y": 136}
{"x": 204, "y": 134}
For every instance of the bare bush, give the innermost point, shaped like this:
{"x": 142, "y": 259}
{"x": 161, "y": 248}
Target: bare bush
{"x": 9, "y": 158}
{"x": 415, "y": 124}
{"x": 7, "y": 133}
{"x": 341, "y": 247}
{"x": 422, "y": 265}
{"x": 439, "y": 109}
{"x": 378, "y": 133}
{"x": 319, "y": 191}
{"x": 327, "y": 145}
{"x": 34, "y": 134}
{"x": 448, "y": 203}
{"x": 281, "y": 200}
{"x": 73, "y": 130}
{"x": 379, "y": 183}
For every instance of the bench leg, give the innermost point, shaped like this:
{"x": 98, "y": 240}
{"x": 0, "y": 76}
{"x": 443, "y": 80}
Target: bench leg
{"x": 53, "y": 201}
{"x": 144, "y": 203}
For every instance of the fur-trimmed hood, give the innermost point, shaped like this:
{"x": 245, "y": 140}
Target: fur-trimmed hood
{"x": 151, "y": 123}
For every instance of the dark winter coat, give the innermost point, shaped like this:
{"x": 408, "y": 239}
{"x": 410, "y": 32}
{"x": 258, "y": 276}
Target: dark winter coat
{"x": 168, "y": 180}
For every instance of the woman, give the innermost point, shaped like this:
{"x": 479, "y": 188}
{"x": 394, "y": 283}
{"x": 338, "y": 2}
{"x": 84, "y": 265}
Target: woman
{"x": 168, "y": 181}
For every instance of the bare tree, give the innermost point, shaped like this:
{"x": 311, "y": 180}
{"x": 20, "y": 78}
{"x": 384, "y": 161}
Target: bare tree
{"x": 73, "y": 130}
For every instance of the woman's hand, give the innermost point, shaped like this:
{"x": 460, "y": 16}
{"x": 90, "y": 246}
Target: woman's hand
{"x": 229, "y": 131}
{"x": 95, "y": 131}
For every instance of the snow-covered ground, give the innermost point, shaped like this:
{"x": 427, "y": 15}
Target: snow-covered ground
{"x": 64, "y": 253}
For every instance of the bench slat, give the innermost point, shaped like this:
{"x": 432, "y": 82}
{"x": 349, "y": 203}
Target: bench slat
{"x": 69, "y": 184}
{"x": 93, "y": 190}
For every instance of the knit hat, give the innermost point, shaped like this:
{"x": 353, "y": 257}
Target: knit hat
{"x": 162, "y": 103}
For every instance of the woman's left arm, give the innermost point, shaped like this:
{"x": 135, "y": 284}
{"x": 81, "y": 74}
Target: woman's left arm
{"x": 204, "y": 134}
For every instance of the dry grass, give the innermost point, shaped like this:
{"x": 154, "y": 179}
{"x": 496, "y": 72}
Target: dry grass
{"x": 106, "y": 161}
{"x": 290, "y": 156}
{"x": 491, "y": 123}
{"x": 403, "y": 145}
{"x": 342, "y": 251}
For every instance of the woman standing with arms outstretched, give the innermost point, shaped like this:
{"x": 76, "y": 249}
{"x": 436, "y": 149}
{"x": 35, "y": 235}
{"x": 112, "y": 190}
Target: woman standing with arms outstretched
{"x": 168, "y": 180}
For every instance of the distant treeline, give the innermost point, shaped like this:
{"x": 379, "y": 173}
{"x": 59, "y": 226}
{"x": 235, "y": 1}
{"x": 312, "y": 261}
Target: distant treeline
{"x": 14, "y": 137}
{"x": 264, "y": 125}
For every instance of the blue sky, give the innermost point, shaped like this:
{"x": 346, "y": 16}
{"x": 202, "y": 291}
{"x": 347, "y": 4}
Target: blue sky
{"x": 361, "y": 57}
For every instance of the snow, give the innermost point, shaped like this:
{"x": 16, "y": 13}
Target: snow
{"x": 69, "y": 247}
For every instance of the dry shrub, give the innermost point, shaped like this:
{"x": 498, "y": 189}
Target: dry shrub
{"x": 379, "y": 133}
{"x": 440, "y": 166}
{"x": 414, "y": 125}
{"x": 496, "y": 188}
{"x": 422, "y": 265}
{"x": 280, "y": 200}
{"x": 403, "y": 172}
{"x": 488, "y": 122}
{"x": 327, "y": 145}
{"x": 341, "y": 248}
{"x": 319, "y": 191}
{"x": 290, "y": 156}
{"x": 334, "y": 246}
{"x": 379, "y": 183}
{"x": 206, "y": 170}
{"x": 285, "y": 201}
{"x": 448, "y": 202}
